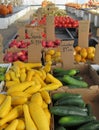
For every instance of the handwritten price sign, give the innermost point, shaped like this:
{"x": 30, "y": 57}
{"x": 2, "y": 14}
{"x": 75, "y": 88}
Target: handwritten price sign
{"x": 67, "y": 51}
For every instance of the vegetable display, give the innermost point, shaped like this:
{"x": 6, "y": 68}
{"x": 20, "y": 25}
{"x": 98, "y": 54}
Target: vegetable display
{"x": 68, "y": 115}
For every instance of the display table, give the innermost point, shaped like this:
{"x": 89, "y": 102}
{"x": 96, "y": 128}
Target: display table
{"x": 18, "y": 13}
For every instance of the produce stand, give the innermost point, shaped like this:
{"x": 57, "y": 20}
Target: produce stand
{"x": 41, "y": 61}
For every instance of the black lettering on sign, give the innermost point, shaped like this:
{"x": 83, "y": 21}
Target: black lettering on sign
{"x": 36, "y": 36}
{"x": 67, "y": 47}
{"x": 36, "y": 41}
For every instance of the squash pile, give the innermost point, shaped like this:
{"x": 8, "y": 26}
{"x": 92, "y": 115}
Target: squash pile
{"x": 25, "y": 104}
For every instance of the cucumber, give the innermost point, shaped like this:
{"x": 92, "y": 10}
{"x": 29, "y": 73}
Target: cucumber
{"x": 70, "y": 121}
{"x": 59, "y": 95}
{"x": 72, "y": 81}
{"x": 60, "y": 128}
{"x": 61, "y": 79}
{"x": 93, "y": 125}
{"x": 77, "y": 77}
{"x": 62, "y": 72}
{"x": 88, "y": 106}
{"x": 71, "y": 101}
{"x": 68, "y": 110}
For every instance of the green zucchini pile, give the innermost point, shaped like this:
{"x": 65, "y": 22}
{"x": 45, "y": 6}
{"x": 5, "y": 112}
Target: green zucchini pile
{"x": 2, "y": 73}
{"x": 70, "y": 77}
{"x": 72, "y": 113}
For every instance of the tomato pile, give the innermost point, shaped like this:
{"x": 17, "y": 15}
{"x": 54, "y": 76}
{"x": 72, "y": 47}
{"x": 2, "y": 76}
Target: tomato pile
{"x": 66, "y": 22}
{"x": 61, "y": 21}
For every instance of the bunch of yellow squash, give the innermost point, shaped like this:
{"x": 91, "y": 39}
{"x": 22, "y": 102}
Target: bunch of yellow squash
{"x": 25, "y": 104}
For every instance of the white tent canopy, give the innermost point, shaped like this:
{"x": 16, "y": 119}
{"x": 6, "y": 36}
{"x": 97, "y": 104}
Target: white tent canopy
{"x": 37, "y": 2}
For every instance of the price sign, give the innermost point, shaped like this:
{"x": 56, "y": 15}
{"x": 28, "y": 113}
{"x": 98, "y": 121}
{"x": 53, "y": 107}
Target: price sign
{"x": 67, "y": 51}
{"x": 36, "y": 38}
{"x": 34, "y": 53}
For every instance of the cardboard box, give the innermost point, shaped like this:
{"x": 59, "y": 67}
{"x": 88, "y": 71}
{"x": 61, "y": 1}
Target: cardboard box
{"x": 90, "y": 96}
{"x": 87, "y": 72}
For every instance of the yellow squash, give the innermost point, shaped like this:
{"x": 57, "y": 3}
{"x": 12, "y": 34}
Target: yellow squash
{"x": 38, "y": 115}
{"x": 21, "y": 124}
{"x": 52, "y": 79}
{"x": 8, "y": 84}
{"x": 37, "y": 98}
{"x": 33, "y": 89}
{"x": 18, "y": 100}
{"x": 30, "y": 125}
{"x": 30, "y": 73}
{"x": 12, "y": 125}
{"x": 20, "y": 86}
{"x": 50, "y": 87}
{"x": 13, "y": 114}
{"x": 2, "y": 97}
{"x": 48, "y": 115}
{"x": 5, "y": 106}
{"x": 46, "y": 97}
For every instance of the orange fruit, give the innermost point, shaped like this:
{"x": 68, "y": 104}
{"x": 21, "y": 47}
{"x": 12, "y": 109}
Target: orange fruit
{"x": 83, "y": 52}
{"x": 91, "y": 56}
{"x": 77, "y": 49}
{"x": 83, "y": 60}
{"x": 90, "y": 50}
{"x": 77, "y": 58}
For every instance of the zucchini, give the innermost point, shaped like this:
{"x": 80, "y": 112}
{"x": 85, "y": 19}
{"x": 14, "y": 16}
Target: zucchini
{"x": 60, "y": 128}
{"x": 71, "y": 101}
{"x": 77, "y": 77}
{"x": 72, "y": 81}
{"x": 70, "y": 121}
{"x": 68, "y": 110}
{"x": 61, "y": 79}
{"x": 93, "y": 125}
{"x": 59, "y": 95}
{"x": 88, "y": 106}
{"x": 61, "y": 72}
